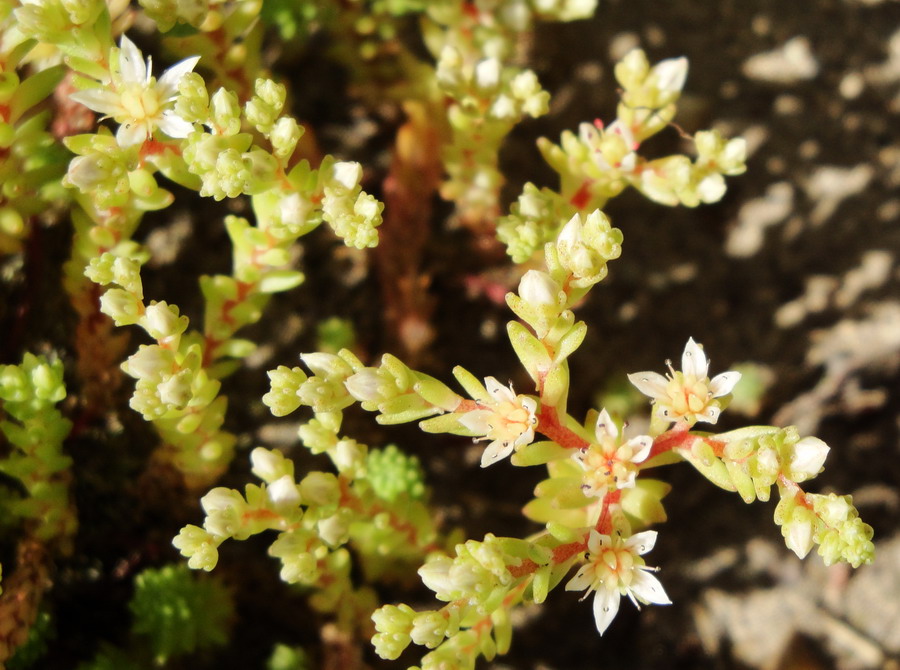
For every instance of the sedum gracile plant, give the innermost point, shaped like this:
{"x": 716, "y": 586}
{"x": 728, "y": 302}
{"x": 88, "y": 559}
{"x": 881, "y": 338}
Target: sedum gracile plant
{"x": 216, "y": 123}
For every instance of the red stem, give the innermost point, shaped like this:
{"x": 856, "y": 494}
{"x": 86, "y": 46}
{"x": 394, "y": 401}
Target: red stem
{"x": 550, "y": 425}
{"x": 604, "y": 523}
{"x": 680, "y": 437}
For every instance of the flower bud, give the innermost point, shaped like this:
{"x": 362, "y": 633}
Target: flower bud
{"x": 149, "y": 362}
{"x": 226, "y": 112}
{"x": 807, "y": 458}
{"x": 223, "y": 507}
{"x": 283, "y": 492}
{"x": 162, "y": 320}
{"x": 269, "y": 464}
{"x": 671, "y": 74}
{"x": 176, "y": 390}
{"x": 538, "y": 289}
{"x": 198, "y": 546}
{"x": 285, "y": 135}
{"x": 429, "y": 629}
{"x": 799, "y": 532}
{"x": 435, "y": 575}
{"x": 327, "y": 366}
{"x": 487, "y": 73}
{"x": 349, "y": 456}
{"x": 334, "y": 529}
{"x": 271, "y": 93}
{"x": 767, "y": 464}
{"x": 320, "y": 488}
{"x": 120, "y": 305}
{"x": 366, "y": 386}
{"x": 347, "y": 174}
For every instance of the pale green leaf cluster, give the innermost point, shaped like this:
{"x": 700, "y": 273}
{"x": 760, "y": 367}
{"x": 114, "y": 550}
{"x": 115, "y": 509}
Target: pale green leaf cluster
{"x": 31, "y": 163}
{"x": 36, "y": 429}
{"x": 174, "y": 613}
{"x": 180, "y": 612}
{"x": 393, "y": 473}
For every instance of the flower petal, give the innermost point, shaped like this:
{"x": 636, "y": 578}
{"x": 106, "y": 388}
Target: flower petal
{"x": 605, "y": 426}
{"x": 649, "y": 383}
{"x": 477, "y": 421}
{"x": 710, "y": 414}
{"x": 131, "y": 62}
{"x": 648, "y": 588}
{"x": 168, "y": 82}
{"x": 598, "y": 542}
{"x": 498, "y": 391}
{"x": 582, "y": 579}
{"x": 606, "y": 606}
{"x": 130, "y": 134}
{"x": 724, "y": 383}
{"x": 642, "y": 444}
{"x": 693, "y": 360}
{"x": 526, "y": 437}
{"x": 99, "y": 100}
{"x": 495, "y": 451}
{"x": 643, "y": 542}
{"x": 529, "y": 404}
{"x": 174, "y": 126}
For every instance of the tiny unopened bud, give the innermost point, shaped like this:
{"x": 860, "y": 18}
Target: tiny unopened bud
{"x": 283, "y": 492}
{"x": 333, "y": 530}
{"x": 149, "y": 362}
{"x": 319, "y": 488}
{"x": 176, "y": 390}
{"x": 537, "y": 288}
{"x": 347, "y": 174}
{"x": 807, "y": 458}
{"x": 435, "y": 575}
{"x": 269, "y": 465}
{"x": 671, "y": 74}
{"x": 162, "y": 320}
{"x": 285, "y": 135}
{"x": 801, "y": 532}
{"x": 365, "y": 385}
{"x": 123, "y": 307}
{"x": 487, "y": 73}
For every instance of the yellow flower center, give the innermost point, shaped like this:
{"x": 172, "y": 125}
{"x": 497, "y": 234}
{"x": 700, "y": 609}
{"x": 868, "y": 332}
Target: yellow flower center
{"x": 509, "y": 422}
{"x": 140, "y": 103}
{"x": 614, "y": 566}
{"x": 606, "y": 464}
{"x": 686, "y": 394}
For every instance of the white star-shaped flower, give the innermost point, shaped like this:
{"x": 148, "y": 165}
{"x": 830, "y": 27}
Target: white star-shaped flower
{"x": 506, "y": 419}
{"x": 614, "y": 568}
{"x": 135, "y": 99}
{"x": 688, "y": 395}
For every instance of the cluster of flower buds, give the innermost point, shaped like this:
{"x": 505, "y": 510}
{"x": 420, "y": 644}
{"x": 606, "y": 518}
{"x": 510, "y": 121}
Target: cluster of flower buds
{"x": 829, "y": 521}
{"x": 479, "y": 585}
{"x": 600, "y": 161}
{"x": 473, "y": 43}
